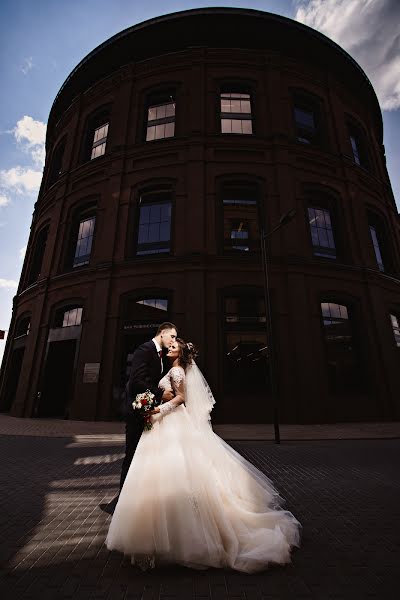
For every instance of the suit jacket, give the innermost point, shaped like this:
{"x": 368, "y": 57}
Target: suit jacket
{"x": 145, "y": 375}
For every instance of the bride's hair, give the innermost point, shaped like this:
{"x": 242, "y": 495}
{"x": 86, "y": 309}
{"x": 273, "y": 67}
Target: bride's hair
{"x": 188, "y": 352}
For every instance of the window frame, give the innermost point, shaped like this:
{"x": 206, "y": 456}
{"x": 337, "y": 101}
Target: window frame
{"x": 320, "y": 197}
{"x": 396, "y": 314}
{"x": 34, "y": 251}
{"x": 98, "y": 118}
{"x": 78, "y": 213}
{"x": 142, "y": 193}
{"x": 163, "y": 94}
{"x": 307, "y": 101}
{"x": 52, "y": 176}
{"x": 238, "y": 182}
{"x": 356, "y": 130}
{"x": 236, "y": 89}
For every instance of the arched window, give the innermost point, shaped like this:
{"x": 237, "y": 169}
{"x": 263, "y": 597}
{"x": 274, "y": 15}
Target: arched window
{"x": 36, "y": 262}
{"x": 96, "y": 134}
{"x": 326, "y": 224}
{"x": 236, "y": 109}
{"x": 160, "y": 115}
{"x": 308, "y": 119}
{"x": 342, "y": 348}
{"x": 23, "y": 326}
{"x": 245, "y": 342}
{"x": 56, "y": 162}
{"x": 68, "y": 316}
{"x": 153, "y": 234}
{"x": 395, "y": 323}
{"x": 81, "y": 236}
{"x": 380, "y": 241}
{"x": 358, "y": 144}
{"x": 240, "y": 217}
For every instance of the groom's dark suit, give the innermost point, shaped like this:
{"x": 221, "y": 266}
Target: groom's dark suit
{"x": 145, "y": 375}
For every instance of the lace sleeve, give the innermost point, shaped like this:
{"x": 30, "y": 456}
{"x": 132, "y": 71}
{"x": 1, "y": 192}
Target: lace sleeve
{"x": 177, "y": 375}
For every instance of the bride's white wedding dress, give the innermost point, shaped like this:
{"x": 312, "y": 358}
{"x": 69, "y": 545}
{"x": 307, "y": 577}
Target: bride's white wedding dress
{"x": 191, "y": 499}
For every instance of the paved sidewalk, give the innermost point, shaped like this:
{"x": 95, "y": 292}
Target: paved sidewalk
{"x": 56, "y": 475}
{"x": 62, "y": 428}
{"x": 345, "y": 493}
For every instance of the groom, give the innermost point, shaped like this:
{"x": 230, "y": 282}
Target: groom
{"x": 147, "y": 370}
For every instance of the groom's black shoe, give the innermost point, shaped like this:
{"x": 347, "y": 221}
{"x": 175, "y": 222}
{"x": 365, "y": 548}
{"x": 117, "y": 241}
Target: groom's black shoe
{"x": 110, "y": 507}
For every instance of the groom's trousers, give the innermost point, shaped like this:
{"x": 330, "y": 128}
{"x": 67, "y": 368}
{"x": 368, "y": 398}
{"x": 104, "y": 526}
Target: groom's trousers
{"x": 133, "y": 431}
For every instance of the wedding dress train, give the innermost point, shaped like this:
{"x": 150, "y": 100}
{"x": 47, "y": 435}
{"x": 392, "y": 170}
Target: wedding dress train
{"x": 191, "y": 499}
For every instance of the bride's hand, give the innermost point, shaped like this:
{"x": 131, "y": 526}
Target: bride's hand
{"x": 154, "y": 412}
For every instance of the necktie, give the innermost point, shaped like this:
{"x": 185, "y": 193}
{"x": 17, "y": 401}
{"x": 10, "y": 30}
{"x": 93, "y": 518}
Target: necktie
{"x": 160, "y": 353}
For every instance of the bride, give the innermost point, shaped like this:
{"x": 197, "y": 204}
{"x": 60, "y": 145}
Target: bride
{"x": 191, "y": 499}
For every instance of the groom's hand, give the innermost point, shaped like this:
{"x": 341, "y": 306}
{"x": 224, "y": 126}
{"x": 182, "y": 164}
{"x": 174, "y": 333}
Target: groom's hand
{"x": 167, "y": 396}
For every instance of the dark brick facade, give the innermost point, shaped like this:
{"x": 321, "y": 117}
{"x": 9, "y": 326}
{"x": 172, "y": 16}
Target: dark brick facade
{"x": 347, "y": 371}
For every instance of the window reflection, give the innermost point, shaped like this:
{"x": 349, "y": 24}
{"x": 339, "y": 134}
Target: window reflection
{"x": 343, "y": 359}
{"x": 395, "y": 322}
{"x": 160, "y": 121}
{"x": 99, "y": 141}
{"x": 240, "y": 214}
{"x": 68, "y": 316}
{"x": 236, "y": 116}
{"x": 84, "y": 242}
{"x": 321, "y": 232}
{"x": 154, "y": 233}
{"x": 377, "y": 248}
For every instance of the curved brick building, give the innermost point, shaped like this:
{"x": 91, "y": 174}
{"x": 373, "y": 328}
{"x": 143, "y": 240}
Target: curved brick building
{"x": 169, "y": 148}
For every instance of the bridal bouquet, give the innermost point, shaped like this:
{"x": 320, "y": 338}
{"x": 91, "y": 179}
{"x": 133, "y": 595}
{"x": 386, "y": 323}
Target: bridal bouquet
{"x": 144, "y": 403}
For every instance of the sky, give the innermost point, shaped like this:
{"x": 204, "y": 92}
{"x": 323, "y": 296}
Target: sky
{"x": 42, "y": 41}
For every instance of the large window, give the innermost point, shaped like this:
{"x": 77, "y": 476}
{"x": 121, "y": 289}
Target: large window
{"x": 99, "y": 141}
{"x": 308, "y": 121}
{"x": 377, "y": 247}
{"x": 154, "y": 224}
{"x": 380, "y": 241}
{"x": 358, "y": 145}
{"x": 246, "y": 348}
{"x": 68, "y": 316}
{"x": 80, "y": 237}
{"x": 343, "y": 361}
{"x": 56, "y": 163}
{"x": 160, "y": 122}
{"x": 84, "y": 241}
{"x": 97, "y": 129}
{"x": 395, "y": 323}
{"x": 23, "y": 326}
{"x": 240, "y": 217}
{"x": 321, "y": 230}
{"x": 236, "y": 112}
{"x": 37, "y": 256}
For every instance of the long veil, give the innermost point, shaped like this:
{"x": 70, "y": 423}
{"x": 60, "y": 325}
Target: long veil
{"x": 199, "y": 399}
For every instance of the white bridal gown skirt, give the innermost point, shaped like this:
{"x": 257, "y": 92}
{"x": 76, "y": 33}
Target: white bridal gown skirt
{"x": 191, "y": 499}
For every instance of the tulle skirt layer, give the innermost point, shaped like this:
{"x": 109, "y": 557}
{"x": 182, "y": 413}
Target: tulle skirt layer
{"x": 190, "y": 499}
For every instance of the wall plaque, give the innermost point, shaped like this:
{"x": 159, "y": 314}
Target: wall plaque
{"x": 91, "y": 373}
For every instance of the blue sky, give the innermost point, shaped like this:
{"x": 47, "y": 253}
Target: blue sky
{"x": 42, "y": 41}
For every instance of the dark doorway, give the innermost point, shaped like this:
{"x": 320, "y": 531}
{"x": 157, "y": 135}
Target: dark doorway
{"x": 13, "y": 379}
{"x": 58, "y": 379}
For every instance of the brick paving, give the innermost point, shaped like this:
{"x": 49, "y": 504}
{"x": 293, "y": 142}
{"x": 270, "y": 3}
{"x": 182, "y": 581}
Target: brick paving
{"x": 346, "y": 494}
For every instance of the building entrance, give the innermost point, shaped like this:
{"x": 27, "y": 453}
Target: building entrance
{"x": 13, "y": 379}
{"x": 58, "y": 379}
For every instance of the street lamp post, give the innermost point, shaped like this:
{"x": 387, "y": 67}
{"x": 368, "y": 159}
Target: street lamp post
{"x": 284, "y": 220}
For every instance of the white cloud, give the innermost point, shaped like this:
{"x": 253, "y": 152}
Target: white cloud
{"x": 22, "y": 253}
{"x": 20, "y": 180}
{"x": 369, "y": 31}
{"x": 27, "y": 65}
{"x": 8, "y": 284}
{"x": 4, "y": 201}
{"x": 31, "y": 135}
